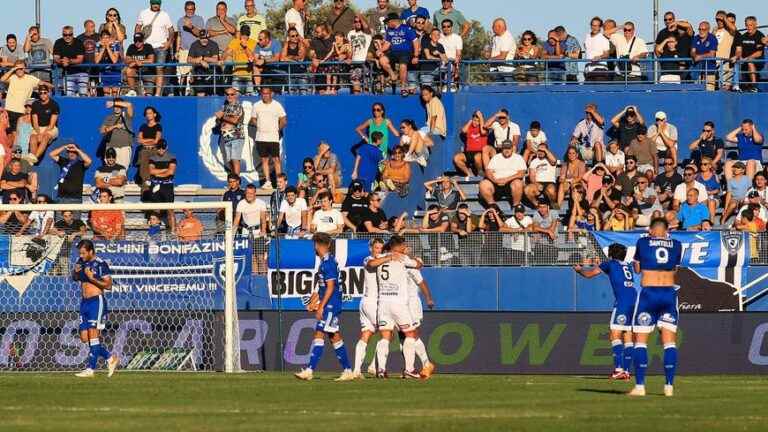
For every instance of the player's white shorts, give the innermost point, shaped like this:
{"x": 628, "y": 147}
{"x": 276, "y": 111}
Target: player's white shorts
{"x": 417, "y": 310}
{"x": 368, "y": 310}
{"x": 395, "y": 314}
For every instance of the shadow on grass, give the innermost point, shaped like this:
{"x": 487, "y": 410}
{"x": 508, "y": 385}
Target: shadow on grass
{"x": 602, "y": 391}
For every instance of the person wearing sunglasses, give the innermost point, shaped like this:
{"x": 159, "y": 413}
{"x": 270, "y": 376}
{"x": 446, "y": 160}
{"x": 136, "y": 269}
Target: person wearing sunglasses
{"x": 666, "y": 183}
{"x": 113, "y": 24}
{"x": 189, "y": 27}
{"x": 360, "y": 40}
{"x": 707, "y": 145}
{"x": 68, "y": 54}
{"x": 156, "y": 26}
{"x": 453, "y": 46}
{"x": 689, "y": 182}
{"x": 630, "y": 49}
{"x": 204, "y": 55}
{"x": 230, "y": 119}
{"x": 681, "y": 30}
{"x": 12, "y": 221}
{"x": 504, "y": 129}
{"x": 20, "y": 87}
{"x": 664, "y": 135}
{"x": 528, "y": 49}
{"x": 45, "y": 118}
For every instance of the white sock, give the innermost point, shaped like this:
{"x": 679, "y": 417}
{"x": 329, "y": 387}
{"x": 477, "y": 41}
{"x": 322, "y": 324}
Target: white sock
{"x": 382, "y": 351}
{"x": 409, "y": 352}
{"x": 421, "y": 351}
{"x": 360, "y": 355}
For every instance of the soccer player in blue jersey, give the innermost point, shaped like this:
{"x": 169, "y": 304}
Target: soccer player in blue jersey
{"x": 327, "y": 312}
{"x": 93, "y": 274}
{"x": 657, "y": 257}
{"x": 625, "y": 297}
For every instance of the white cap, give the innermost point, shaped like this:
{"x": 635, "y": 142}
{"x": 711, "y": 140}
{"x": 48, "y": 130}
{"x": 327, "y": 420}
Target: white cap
{"x": 661, "y": 115}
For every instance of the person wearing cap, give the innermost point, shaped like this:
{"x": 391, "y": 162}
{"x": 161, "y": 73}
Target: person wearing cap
{"x": 504, "y": 176}
{"x": 73, "y": 162}
{"x": 157, "y": 28}
{"x": 519, "y": 223}
{"x": 401, "y": 47}
{"x": 460, "y": 24}
{"x": 162, "y": 169}
{"x": 137, "y": 55}
{"x": 754, "y": 202}
{"x": 117, "y": 132}
{"x": 354, "y": 206}
{"x": 588, "y": 134}
{"x": 232, "y": 139}
{"x": 738, "y": 186}
{"x": 368, "y": 156}
{"x": 607, "y": 197}
{"x": 626, "y": 124}
{"x": 664, "y": 135}
{"x": 111, "y": 175}
{"x": 240, "y": 51}
{"x": 188, "y": 28}
{"x": 692, "y": 212}
{"x": 750, "y": 142}
{"x": 689, "y": 182}
{"x": 204, "y": 55}
{"x": 644, "y": 151}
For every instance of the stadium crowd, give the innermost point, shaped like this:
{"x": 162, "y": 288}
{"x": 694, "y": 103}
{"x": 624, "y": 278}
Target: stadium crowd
{"x": 619, "y": 171}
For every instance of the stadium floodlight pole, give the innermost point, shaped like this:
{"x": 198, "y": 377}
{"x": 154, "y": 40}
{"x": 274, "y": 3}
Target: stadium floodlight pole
{"x": 655, "y": 32}
{"x": 38, "y": 13}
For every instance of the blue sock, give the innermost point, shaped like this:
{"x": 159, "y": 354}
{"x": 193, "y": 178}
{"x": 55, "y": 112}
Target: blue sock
{"x": 103, "y": 353}
{"x": 629, "y": 349}
{"x": 670, "y": 362}
{"x": 317, "y": 352}
{"x": 641, "y": 362}
{"x": 618, "y": 352}
{"x": 93, "y": 353}
{"x": 341, "y": 354}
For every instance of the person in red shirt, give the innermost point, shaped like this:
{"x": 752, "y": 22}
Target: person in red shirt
{"x": 475, "y": 138}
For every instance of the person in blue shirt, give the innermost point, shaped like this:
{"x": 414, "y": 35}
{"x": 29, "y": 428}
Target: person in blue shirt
{"x": 401, "y": 47}
{"x": 413, "y": 11}
{"x": 749, "y": 142}
{"x": 625, "y": 296}
{"x": 704, "y": 52}
{"x": 657, "y": 258}
{"x": 738, "y": 187}
{"x": 94, "y": 276}
{"x": 367, "y": 162}
{"x": 692, "y": 213}
{"x": 326, "y": 304}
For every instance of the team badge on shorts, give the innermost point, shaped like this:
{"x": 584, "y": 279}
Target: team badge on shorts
{"x": 621, "y": 319}
{"x": 644, "y": 319}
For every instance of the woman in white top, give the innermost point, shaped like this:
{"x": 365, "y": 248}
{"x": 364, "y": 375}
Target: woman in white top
{"x": 39, "y": 221}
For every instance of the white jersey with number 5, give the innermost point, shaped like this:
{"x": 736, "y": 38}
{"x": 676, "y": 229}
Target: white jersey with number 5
{"x": 394, "y": 281}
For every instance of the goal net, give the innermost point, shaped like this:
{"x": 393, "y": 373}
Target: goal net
{"x": 172, "y": 305}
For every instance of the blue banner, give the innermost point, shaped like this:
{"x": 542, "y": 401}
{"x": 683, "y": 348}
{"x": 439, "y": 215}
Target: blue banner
{"x": 713, "y": 269}
{"x": 292, "y": 276}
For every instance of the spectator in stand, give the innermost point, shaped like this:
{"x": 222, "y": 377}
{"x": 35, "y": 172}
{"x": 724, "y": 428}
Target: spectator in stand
{"x": 475, "y": 137}
{"x": 109, "y": 54}
{"x": 270, "y": 119}
{"x": 447, "y": 193}
{"x": 39, "y": 222}
{"x": 295, "y": 18}
{"x": 318, "y": 185}
{"x": 327, "y": 164}
{"x": 460, "y": 24}
{"x": 138, "y": 55}
{"x": 435, "y": 118}
{"x": 252, "y": 19}
{"x": 162, "y": 170}
{"x": 666, "y": 183}
{"x": 518, "y": 223}
{"x": 377, "y": 18}
{"x": 528, "y": 49}
{"x": 157, "y": 28}
{"x": 434, "y": 221}
{"x": 461, "y": 224}
{"x": 750, "y": 146}
{"x": 277, "y": 197}
{"x": 738, "y": 186}
{"x": 606, "y": 198}
{"x": 268, "y": 51}
{"x": 615, "y": 159}
{"x": 689, "y": 182}
{"x": 571, "y": 50}
{"x": 73, "y": 166}
{"x": 293, "y": 219}
{"x": 645, "y": 153}
{"x": 417, "y": 142}
{"x": 761, "y": 187}
{"x": 221, "y": 28}
{"x": 189, "y": 228}
{"x": 45, "y": 118}
{"x": 750, "y": 223}
{"x": 294, "y": 50}
{"x": 753, "y": 202}
{"x": 453, "y": 45}
{"x": 15, "y": 180}
{"x": 10, "y": 53}
{"x": 552, "y": 52}
{"x": 596, "y": 49}
{"x": 571, "y": 172}
{"x": 69, "y": 227}
{"x": 361, "y": 45}
{"x": 587, "y": 136}
{"x": 631, "y": 49}
{"x": 504, "y": 177}
{"x": 533, "y": 139}
{"x": 204, "y": 55}
{"x": 707, "y": 145}
{"x": 647, "y": 202}
{"x": 341, "y": 18}
{"x": 22, "y": 134}
{"x": 692, "y": 212}
{"x": 113, "y": 24}
{"x": 111, "y": 176}
{"x": 39, "y": 54}
{"x": 116, "y": 130}
{"x": 681, "y": 30}
{"x": 156, "y": 230}
{"x": 727, "y": 36}
{"x": 90, "y": 40}
{"x": 230, "y": 120}
{"x": 545, "y": 220}
{"x": 626, "y": 125}
{"x": 582, "y": 220}
{"x": 412, "y": 12}
{"x": 708, "y": 177}
{"x": 503, "y": 48}
{"x": 402, "y": 48}
{"x": 672, "y": 69}
{"x": 619, "y": 219}
{"x": 378, "y": 123}
{"x": 240, "y": 52}
{"x": 703, "y": 53}
{"x": 752, "y": 43}
{"x": 433, "y": 60}
{"x": 150, "y": 135}
{"x": 504, "y": 129}
{"x": 20, "y": 88}
{"x": 320, "y": 51}
{"x": 107, "y": 224}
{"x": 327, "y": 219}
{"x": 251, "y": 217}
{"x": 354, "y": 206}
{"x": 234, "y": 193}
{"x": 542, "y": 176}
{"x": 396, "y": 175}
{"x": 12, "y": 221}
{"x": 188, "y": 30}
{"x": 664, "y": 135}
{"x": 593, "y": 179}
{"x": 367, "y": 160}
{"x": 373, "y": 219}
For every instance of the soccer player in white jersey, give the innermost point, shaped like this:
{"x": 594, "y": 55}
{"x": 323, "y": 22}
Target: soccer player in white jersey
{"x": 392, "y": 276}
{"x": 369, "y": 306}
{"x": 416, "y": 284}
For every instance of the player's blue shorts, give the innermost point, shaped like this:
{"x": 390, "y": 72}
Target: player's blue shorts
{"x": 93, "y": 313}
{"x": 656, "y": 306}
{"x": 330, "y": 321}
{"x": 623, "y": 310}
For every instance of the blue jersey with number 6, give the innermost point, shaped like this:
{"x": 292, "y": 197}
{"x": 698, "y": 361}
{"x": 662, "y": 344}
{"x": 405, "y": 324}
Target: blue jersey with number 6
{"x": 658, "y": 253}
{"x": 622, "y": 281}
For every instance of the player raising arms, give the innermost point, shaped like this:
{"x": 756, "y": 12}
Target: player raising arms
{"x": 327, "y": 312}
{"x": 657, "y": 257}
{"x": 417, "y": 283}
{"x": 368, "y": 306}
{"x": 625, "y": 297}
{"x": 94, "y": 276}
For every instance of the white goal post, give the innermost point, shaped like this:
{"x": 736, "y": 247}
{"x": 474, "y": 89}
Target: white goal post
{"x": 17, "y": 273}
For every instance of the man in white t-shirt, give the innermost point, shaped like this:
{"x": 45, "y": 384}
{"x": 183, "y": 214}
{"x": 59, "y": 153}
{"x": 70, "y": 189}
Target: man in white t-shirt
{"x": 361, "y": 43}
{"x": 614, "y": 158}
{"x": 504, "y": 177}
{"x": 251, "y": 214}
{"x": 504, "y": 129}
{"x": 596, "y": 48}
{"x": 453, "y": 45}
{"x": 533, "y": 139}
{"x": 629, "y": 47}
{"x": 542, "y": 176}
{"x": 503, "y": 47}
{"x": 689, "y": 182}
{"x": 328, "y": 219}
{"x": 664, "y": 134}
{"x": 294, "y": 18}
{"x": 519, "y": 222}
{"x": 269, "y": 117}
{"x": 293, "y": 213}
{"x": 159, "y": 36}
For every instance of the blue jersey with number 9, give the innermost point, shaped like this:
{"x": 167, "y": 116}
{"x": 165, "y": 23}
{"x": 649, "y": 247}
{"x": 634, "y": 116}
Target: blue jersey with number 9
{"x": 658, "y": 253}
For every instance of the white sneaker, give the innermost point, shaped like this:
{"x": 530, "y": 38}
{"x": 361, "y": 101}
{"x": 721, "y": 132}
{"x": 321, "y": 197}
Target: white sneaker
{"x": 131, "y": 93}
{"x": 359, "y": 376}
{"x": 267, "y": 186}
{"x": 372, "y": 369}
{"x": 112, "y": 363}
{"x": 86, "y": 373}
{"x": 669, "y": 390}
{"x": 346, "y": 375}
{"x": 304, "y": 374}
{"x": 637, "y": 391}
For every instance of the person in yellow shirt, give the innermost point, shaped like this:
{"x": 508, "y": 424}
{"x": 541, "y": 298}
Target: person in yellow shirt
{"x": 240, "y": 51}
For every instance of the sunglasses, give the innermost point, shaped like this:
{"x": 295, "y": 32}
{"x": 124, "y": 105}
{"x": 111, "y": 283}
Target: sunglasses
{"x": 13, "y": 199}
{"x": 112, "y": 15}
{"x": 447, "y": 26}
{"x": 501, "y": 118}
{"x": 706, "y": 130}
{"x": 43, "y": 92}
{"x": 231, "y": 94}
{"x": 527, "y": 39}
{"x": 668, "y": 19}
{"x": 67, "y": 34}
{"x": 642, "y": 182}
{"x": 688, "y": 175}
{"x": 627, "y": 30}
{"x": 378, "y": 110}
{"x": 669, "y": 164}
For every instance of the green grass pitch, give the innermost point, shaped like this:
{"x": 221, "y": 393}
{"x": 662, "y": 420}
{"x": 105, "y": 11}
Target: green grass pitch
{"x": 161, "y": 402}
